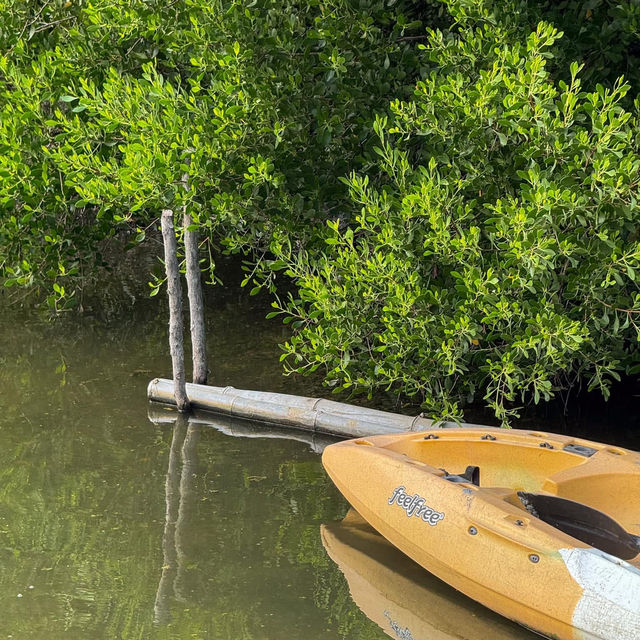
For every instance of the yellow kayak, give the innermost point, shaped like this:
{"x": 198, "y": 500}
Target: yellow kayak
{"x": 403, "y": 599}
{"x": 542, "y": 528}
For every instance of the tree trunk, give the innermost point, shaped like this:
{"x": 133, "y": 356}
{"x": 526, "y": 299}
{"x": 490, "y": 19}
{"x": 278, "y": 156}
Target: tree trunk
{"x": 176, "y": 326}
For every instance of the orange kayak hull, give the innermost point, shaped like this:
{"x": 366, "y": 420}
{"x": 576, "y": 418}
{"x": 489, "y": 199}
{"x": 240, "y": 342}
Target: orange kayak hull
{"x": 477, "y": 534}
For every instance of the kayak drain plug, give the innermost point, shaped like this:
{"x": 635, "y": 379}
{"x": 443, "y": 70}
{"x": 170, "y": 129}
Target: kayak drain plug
{"x": 473, "y": 531}
{"x": 535, "y": 558}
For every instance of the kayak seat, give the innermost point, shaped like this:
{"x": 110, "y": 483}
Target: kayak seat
{"x": 470, "y": 476}
{"x": 582, "y": 522}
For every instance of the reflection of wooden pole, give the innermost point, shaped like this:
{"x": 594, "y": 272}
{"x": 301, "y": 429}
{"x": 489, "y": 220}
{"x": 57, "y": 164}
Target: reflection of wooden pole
{"x": 196, "y": 306}
{"x": 176, "y": 327}
{"x": 161, "y": 609}
{"x": 189, "y": 468}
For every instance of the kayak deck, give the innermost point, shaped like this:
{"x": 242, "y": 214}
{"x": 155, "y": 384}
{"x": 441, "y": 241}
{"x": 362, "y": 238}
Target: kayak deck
{"x": 603, "y": 477}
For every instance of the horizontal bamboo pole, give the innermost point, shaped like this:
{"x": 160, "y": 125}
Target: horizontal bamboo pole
{"x": 289, "y": 411}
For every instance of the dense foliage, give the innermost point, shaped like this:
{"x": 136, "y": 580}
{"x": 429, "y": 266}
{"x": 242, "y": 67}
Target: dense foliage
{"x": 107, "y": 104}
{"x": 482, "y": 237}
{"x": 500, "y": 256}
{"x": 603, "y": 35}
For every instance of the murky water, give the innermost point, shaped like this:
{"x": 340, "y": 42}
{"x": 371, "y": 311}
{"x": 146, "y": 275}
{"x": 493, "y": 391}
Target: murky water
{"x": 114, "y": 526}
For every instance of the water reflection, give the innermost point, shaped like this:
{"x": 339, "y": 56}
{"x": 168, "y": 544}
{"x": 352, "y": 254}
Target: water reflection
{"x": 403, "y": 599}
{"x": 187, "y": 499}
{"x": 162, "y": 415}
{"x": 112, "y": 526}
{"x": 115, "y": 526}
{"x": 174, "y": 499}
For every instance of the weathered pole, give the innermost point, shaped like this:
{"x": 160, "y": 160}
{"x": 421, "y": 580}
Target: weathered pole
{"x": 194, "y": 293}
{"x": 176, "y": 325}
{"x": 297, "y": 412}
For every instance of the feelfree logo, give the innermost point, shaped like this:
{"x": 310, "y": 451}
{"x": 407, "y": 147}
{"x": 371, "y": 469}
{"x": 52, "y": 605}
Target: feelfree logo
{"x": 415, "y": 505}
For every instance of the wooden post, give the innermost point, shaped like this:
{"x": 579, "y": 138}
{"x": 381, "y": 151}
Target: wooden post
{"x": 194, "y": 293}
{"x": 176, "y": 326}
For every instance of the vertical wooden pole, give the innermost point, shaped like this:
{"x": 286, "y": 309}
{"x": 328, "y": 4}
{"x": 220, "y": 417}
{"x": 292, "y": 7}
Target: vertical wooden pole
{"x": 194, "y": 293}
{"x": 176, "y": 326}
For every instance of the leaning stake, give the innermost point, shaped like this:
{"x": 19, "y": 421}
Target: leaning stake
{"x": 176, "y": 328}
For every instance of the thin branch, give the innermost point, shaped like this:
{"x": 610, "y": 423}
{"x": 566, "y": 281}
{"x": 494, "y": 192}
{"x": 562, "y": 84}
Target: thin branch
{"x": 627, "y": 311}
{"x": 28, "y": 24}
{"x": 409, "y": 38}
{"x": 53, "y": 24}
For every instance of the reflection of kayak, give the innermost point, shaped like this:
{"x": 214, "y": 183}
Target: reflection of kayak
{"x": 400, "y": 596}
{"x": 541, "y": 528}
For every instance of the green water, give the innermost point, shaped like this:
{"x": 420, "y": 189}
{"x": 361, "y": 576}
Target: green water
{"x": 116, "y": 527}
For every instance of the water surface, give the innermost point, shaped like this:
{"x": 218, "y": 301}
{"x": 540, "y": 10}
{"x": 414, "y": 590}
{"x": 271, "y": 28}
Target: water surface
{"x": 114, "y": 526}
